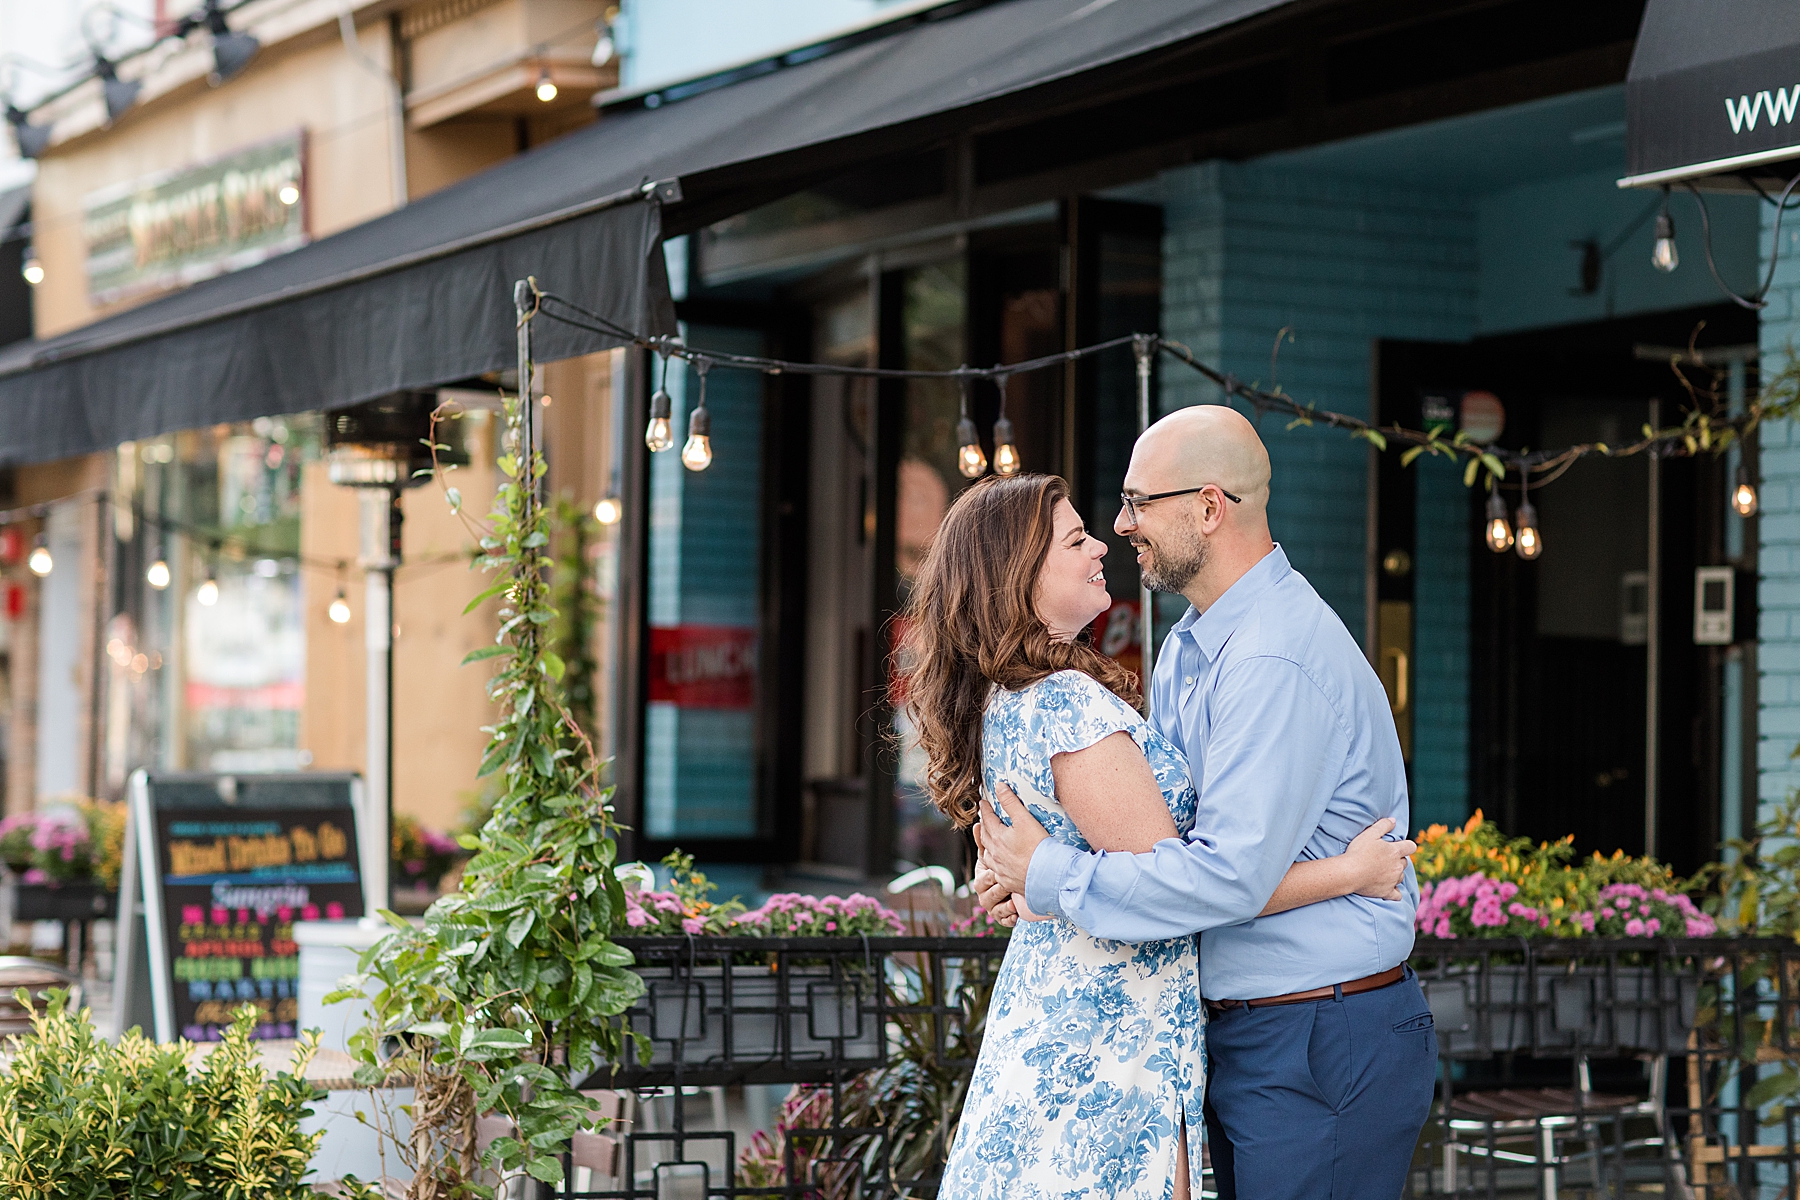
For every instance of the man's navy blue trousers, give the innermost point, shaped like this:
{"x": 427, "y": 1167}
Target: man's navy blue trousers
{"x": 1321, "y": 1100}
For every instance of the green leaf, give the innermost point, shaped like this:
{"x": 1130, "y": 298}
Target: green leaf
{"x": 1495, "y": 467}
{"x": 1407, "y": 458}
{"x": 1469, "y": 472}
{"x": 545, "y": 1167}
{"x": 484, "y": 652}
{"x": 553, "y": 665}
{"x": 520, "y": 926}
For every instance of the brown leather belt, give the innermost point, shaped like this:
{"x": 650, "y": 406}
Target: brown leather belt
{"x": 1367, "y": 983}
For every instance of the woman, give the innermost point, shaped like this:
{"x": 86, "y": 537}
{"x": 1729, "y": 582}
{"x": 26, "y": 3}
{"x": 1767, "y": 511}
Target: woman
{"x": 1090, "y": 1072}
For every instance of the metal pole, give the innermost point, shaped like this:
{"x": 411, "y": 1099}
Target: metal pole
{"x": 378, "y": 641}
{"x": 1141, "y": 346}
{"x": 1653, "y": 631}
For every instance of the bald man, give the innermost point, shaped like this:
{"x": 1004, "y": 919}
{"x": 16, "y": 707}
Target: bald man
{"x": 1321, "y": 1052}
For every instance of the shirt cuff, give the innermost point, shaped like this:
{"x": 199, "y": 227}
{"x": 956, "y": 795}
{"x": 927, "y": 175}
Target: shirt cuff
{"x": 1050, "y": 864}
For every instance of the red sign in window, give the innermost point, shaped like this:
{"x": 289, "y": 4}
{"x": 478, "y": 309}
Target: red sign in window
{"x": 703, "y": 666}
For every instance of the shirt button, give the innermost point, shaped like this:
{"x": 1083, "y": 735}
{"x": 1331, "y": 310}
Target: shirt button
{"x": 1188, "y": 682}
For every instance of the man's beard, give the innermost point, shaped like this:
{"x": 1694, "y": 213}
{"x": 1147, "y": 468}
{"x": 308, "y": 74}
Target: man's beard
{"x": 1174, "y": 563}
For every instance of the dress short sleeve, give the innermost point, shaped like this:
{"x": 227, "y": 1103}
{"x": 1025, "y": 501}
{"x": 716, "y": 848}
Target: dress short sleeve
{"x": 1072, "y": 710}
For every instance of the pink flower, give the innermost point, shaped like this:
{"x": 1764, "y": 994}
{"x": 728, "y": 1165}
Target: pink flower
{"x": 1634, "y": 928}
{"x": 693, "y": 925}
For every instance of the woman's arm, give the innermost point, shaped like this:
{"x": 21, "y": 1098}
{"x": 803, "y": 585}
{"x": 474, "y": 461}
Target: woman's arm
{"x": 1110, "y": 793}
{"x": 1369, "y": 867}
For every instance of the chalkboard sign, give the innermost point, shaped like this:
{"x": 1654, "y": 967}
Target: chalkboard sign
{"x": 226, "y": 864}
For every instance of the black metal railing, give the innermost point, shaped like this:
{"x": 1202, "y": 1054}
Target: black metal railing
{"x": 1568, "y": 1067}
{"x": 1601, "y": 1066}
{"x": 882, "y": 1034}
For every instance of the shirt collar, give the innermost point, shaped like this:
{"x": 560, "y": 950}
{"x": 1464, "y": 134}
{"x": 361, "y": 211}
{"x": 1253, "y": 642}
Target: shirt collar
{"x": 1213, "y": 628}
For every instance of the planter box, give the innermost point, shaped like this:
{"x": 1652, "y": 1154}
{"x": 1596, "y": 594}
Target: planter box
{"x": 68, "y": 902}
{"x": 737, "y": 1019}
{"x": 1570, "y": 995}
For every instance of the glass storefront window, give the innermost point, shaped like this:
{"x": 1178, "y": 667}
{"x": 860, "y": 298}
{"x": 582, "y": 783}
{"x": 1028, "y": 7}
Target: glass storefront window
{"x": 700, "y": 726}
{"x": 207, "y": 645}
{"x": 934, "y": 323}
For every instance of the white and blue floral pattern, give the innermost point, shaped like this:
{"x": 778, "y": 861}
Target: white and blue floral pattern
{"x": 1092, "y": 1057}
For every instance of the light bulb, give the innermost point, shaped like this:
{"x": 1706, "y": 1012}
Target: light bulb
{"x": 546, "y": 87}
{"x": 1743, "y": 496}
{"x": 657, "y": 435}
{"x": 608, "y": 511}
{"x": 339, "y": 612}
{"x": 208, "y": 593}
{"x": 1006, "y": 455}
{"x": 1530, "y": 542}
{"x": 696, "y": 455}
{"x": 969, "y": 458}
{"x": 289, "y": 194}
{"x": 40, "y": 562}
{"x": 1499, "y": 530}
{"x": 33, "y": 270}
{"x": 158, "y": 575}
{"x": 1664, "y": 257}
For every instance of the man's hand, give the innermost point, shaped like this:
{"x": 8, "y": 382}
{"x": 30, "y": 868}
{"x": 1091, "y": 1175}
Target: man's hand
{"x": 1380, "y": 864}
{"x": 996, "y": 899}
{"x": 1007, "y": 849}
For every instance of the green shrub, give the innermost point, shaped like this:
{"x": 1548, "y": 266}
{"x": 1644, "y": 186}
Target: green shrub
{"x": 82, "y": 1119}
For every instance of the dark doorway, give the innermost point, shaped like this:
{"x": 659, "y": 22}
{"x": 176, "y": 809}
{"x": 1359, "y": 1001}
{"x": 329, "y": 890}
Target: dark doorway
{"x": 1558, "y": 646}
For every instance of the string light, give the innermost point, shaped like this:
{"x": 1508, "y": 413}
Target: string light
{"x": 339, "y": 611}
{"x": 1530, "y": 542}
{"x": 1499, "y": 529}
{"x": 1664, "y": 257}
{"x": 1743, "y": 496}
{"x": 546, "y": 87}
{"x": 657, "y": 434}
{"x": 1006, "y": 455}
{"x": 208, "y": 592}
{"x": 40, "y": 562}
{"x": 969, "y": 458}
{"x": 158, "y": 575}
{"x": 289, "y": 194}
{"x": 609, "y": 510}
{"x": 33, "y": 270}
{"x": 697, "y": 455}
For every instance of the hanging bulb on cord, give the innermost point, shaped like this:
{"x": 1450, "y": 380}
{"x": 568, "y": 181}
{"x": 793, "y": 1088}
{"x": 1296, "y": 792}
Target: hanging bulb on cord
{"x": 208, "y": 592}
{"x": 40, "y": 562}
{"x": 1499, "y": 529}
{"x": 546, "y": 87}
{"x": 609, "y": 510}
{"x": 158, "y": 575}
{"x": 657, "y": 434}
{"x": 1006, "y": 455}
{"x": 970, "y": 459}
{"x": 1743, "y": 496}
{"x": 339, "y": 611}
{"x": 1664, "y": 257}
{"x": 1529, "y": 542}
{"x": 697, "y": 454}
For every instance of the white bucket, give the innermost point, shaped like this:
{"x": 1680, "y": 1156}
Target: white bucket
{"x": 328, "y": 952}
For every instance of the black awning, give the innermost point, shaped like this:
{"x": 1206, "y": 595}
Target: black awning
{"x": 399, "y": 302}
{"x": 1714, "y": 89}
{"x": 422, "y": 296}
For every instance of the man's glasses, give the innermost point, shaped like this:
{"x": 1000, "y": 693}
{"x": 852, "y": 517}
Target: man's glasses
{"x": 1134, "y": 503}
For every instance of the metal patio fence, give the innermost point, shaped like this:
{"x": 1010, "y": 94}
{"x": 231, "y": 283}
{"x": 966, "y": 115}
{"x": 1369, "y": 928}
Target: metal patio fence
{"x": 1567, "y": 1067}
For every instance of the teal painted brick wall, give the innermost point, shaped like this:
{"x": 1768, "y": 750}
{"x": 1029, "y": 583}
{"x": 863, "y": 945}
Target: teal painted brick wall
{"x": 1248, "y": 250}
{"x": 1778, "y": 591}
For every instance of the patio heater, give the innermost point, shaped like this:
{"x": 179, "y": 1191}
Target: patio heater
{"x": 381, "y": 448}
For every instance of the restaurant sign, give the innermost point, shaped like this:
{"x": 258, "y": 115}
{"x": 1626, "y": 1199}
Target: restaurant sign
{"x": 178, "y": 227}
{"x": 703, "y": 666}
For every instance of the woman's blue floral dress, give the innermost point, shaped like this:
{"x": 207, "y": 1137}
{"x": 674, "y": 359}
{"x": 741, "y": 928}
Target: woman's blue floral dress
{"x": 1092, "y": 1057}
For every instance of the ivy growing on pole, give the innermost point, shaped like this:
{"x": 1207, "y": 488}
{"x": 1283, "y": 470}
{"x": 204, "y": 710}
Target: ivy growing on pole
{"x": 506, "y": 997}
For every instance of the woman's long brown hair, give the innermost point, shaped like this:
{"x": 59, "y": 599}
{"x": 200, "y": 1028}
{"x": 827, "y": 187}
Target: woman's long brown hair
{"x": 971, "y": 623}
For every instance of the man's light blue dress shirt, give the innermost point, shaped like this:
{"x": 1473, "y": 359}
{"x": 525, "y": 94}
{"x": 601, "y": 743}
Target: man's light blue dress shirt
{"x": 1291, "y": 745}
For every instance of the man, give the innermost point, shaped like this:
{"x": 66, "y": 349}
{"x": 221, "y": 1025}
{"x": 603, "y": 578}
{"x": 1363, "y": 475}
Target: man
{"x": 1322, "y": 1055}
